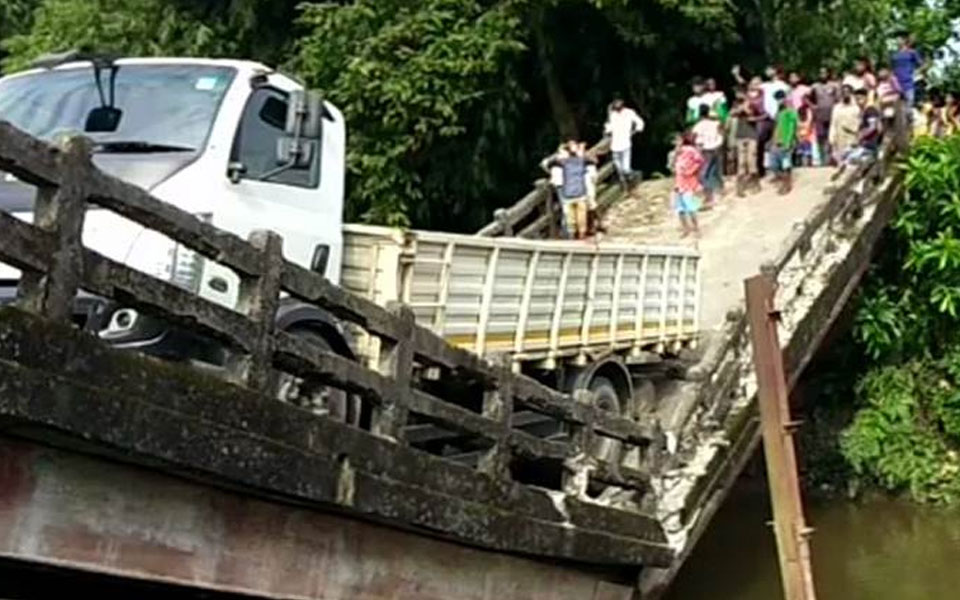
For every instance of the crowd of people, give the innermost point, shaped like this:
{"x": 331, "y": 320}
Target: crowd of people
{"x": 769, "y": 124}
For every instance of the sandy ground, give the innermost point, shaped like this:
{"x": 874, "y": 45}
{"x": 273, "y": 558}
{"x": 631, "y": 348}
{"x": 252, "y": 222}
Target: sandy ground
{"x": 736, "y": 236}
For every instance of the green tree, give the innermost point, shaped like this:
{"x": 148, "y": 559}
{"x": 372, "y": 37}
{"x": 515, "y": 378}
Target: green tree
{"x": 805, "y": 34}
{"x": 905, "y": 434}
{"x": 407, "y": 76}
{"x": 451, "y": 103}
{"x": 15, "y": 17}
{"x": 911, "y": 305}
{"x": 236, "y": 28}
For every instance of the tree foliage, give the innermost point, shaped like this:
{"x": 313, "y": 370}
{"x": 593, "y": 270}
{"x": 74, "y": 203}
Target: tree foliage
{"x": 15, "y": 17}
{"x": 906, "y": 432}
{"x": 151, "y": 27}
{"x": 409, "y": 77}
{"x": 451, "y": 103}
{"x": 805, "y": 33}
{"x": 912, "y": 304}
{"x": 907, "y": 435}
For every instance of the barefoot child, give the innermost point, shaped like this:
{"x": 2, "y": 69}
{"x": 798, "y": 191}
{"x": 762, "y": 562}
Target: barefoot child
{"x": 687, "y": 166}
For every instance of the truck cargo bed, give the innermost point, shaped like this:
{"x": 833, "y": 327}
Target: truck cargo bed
{"x": 530, "y": 299}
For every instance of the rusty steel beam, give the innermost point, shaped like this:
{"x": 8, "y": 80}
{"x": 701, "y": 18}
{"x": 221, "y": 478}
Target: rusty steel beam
{"x": 792, "y": 533}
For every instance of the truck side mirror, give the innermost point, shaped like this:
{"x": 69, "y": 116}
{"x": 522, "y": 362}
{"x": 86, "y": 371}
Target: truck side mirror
{"x": 299, "y": 145}
{"x": 304, "y": 115}
{"x": 295, "y": 153}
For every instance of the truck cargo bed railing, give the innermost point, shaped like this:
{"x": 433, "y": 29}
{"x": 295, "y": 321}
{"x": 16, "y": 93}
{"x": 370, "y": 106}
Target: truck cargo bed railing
{"x": 531, "y": 300}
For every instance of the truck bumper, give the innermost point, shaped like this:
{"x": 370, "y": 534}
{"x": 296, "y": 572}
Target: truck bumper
{"x": 126, "y": 328}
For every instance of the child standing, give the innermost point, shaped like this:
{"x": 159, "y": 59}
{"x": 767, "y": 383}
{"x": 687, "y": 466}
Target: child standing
{"x": 687, "y": 165}
{"x": 844, "y": 123}
{"x": 784, "y": 142}
{"x": 807, "y": 149}
{"x": 716, "y": 100}
{"x": 798, "y": 91}
{"x": 695, "y": 101}
{"x": 951, "y": 114}
{"x": 935, "y": 110}
{"x": 888, "y": 95}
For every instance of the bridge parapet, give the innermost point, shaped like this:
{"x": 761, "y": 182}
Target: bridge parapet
{"x": 68, "y": 388}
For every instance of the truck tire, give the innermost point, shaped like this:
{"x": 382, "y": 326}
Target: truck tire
{"x": 314, "y": 396}
{"x": 606, "y": 399}
{"x": 644, "y": 400}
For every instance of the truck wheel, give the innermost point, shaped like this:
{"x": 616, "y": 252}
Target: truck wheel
{"x": 314, "y": 396}
{"x": 606, "y": 399}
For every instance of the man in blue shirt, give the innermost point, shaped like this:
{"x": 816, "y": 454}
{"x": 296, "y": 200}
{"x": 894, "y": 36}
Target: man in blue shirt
{"x": 575, "y": 166}
{"x": 905, "y": 62}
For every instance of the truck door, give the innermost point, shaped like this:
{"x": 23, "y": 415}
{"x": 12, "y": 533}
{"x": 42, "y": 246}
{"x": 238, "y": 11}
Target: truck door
{"x": 299, "y": 204}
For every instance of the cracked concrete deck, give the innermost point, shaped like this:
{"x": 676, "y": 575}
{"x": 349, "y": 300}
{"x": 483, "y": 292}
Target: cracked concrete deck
{"x": 736, "y": 237}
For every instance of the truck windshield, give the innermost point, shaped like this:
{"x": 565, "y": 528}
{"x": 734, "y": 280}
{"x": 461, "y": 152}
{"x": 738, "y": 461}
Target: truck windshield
{"x": 163, "y": 105}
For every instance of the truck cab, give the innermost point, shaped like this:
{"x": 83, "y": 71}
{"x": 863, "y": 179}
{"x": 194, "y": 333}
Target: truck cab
{"x": 209, "y": 136}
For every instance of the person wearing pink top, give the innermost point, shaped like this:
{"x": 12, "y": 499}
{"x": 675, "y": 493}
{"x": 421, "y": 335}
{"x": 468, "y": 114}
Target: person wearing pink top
{"x": 686, "y": 168}
{"x": 888, "y": 94}
{"x": 799, "y": 91}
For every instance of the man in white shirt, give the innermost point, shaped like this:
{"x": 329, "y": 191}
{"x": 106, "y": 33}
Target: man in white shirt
{"x": 714, "y": 98}
{"x": 770, "y": 87}
{"x": 622, "y": 124}
{"x": 696, "y": 100}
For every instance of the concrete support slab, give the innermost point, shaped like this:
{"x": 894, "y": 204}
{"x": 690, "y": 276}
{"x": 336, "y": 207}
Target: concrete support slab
{"x": 65, "y": 509}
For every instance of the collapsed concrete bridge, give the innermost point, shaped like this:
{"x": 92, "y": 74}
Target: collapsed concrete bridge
{"x": 119, "y": 464}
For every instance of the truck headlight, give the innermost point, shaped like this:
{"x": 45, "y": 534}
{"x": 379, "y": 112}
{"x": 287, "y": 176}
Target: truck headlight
{"x": 155, "y": 254}
{"x": 186, "y": 268}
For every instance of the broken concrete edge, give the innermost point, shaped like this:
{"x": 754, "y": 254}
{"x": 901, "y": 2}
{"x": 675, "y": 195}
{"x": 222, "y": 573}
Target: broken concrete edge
{"x": 719, "y": 343}
{"x": 145, "y": 411}
{"x": 718, "y": 466}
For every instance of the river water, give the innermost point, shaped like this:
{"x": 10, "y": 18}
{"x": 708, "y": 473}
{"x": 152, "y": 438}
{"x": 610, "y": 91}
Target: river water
{"x": 866, "y": 550}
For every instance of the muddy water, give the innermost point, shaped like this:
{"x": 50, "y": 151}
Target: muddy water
{"x": 876, "y": 550}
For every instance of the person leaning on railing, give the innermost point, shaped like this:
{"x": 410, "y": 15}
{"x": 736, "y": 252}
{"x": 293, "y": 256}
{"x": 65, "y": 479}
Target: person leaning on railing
{"x": 575, "y": 188}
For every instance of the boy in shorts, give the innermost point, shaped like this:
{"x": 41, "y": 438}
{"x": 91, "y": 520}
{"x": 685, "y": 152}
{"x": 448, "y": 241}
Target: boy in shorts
{"x": 784, "y": 142}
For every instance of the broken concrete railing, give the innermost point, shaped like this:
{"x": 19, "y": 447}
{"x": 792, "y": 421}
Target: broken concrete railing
{"x": 717, "y": 421}
{"x": 373, "y": 473}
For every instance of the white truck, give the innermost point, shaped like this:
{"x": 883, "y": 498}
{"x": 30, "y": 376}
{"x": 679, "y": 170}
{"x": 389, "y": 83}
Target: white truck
{"x": 245, "y": 147}
{"x": 209, "y": 136}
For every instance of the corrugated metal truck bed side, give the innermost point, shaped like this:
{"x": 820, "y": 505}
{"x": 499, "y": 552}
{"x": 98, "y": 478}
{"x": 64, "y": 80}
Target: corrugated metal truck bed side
{"x": 531, "y": 299}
